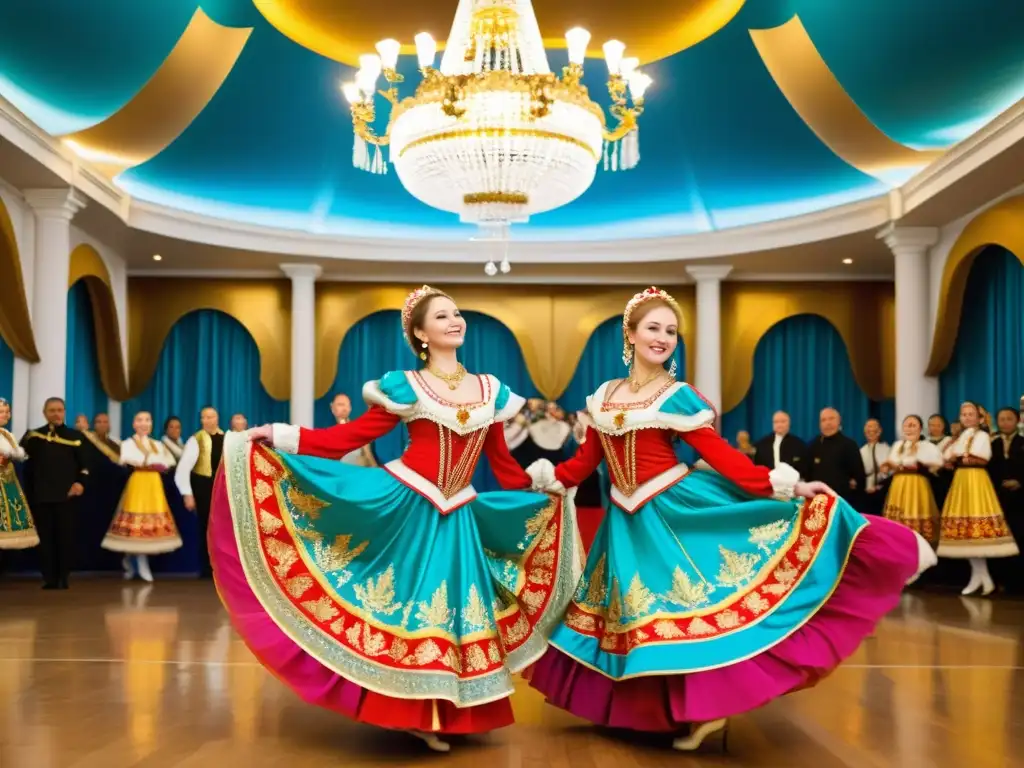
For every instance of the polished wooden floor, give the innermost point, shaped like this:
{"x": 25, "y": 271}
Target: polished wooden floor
{"x": 114, "y": 676}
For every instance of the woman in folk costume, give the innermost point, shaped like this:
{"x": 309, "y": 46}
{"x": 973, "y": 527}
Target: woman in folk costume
{"x": 973, "y": 524}
{"x": 143, "y": 524}
{"x": 17, "y": 531}
{"x": 910, "y": 500}
{"x": 397, "y": 596}
{"x": 172, "y": 437}
{"x": 706, "y": 594}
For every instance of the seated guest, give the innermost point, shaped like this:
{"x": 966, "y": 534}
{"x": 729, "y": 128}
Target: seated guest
{"x": 341, "y": 409}
{"x": 780, "y": 447}
{"x": 743, "y": 443}
{"x": 834, "y": 459}
{"x": 239, "y": 423}
{"x": 874, "y": 454}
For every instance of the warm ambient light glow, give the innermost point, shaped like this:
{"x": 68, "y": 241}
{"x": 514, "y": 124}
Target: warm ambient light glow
{"x": 157, "y": 257}
{"x": 847, "y": 261}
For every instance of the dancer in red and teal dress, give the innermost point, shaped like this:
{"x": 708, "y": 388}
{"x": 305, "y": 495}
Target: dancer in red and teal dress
{"x": 397, "y": 596}
{"x": 706, "y": 594}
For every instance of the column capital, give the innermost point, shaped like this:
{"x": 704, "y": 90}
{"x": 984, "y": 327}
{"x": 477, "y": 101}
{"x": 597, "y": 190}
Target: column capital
{"x": 908, "y": 239}
{"x": 302, "y": 271}
{"x": 709, "y": 272}
{"x": 55, "y": 203}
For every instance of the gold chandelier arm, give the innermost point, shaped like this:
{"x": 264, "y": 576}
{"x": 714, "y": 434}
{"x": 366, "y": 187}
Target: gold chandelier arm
{"x": 362, "y": 116}
{"x": 628, "y": 120}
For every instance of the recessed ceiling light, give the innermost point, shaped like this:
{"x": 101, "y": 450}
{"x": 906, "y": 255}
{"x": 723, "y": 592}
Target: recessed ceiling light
{"x": 847, "y": 261}
{"x": 157, "y": 257}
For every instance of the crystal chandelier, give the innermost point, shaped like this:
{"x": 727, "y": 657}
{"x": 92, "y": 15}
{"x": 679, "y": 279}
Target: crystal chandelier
{"x": 494, "y": 135}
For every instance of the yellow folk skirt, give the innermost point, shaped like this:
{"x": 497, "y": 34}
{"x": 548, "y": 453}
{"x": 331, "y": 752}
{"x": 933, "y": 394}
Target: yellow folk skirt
{"x": 973, "y": 524}
{"x": 143, "y": 523}
{"x": 910, "y": 501}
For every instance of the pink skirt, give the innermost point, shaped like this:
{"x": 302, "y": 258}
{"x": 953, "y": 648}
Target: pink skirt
{"x": 884, "y": 557}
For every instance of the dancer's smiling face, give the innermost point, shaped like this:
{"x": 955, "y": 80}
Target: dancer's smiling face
{"x": 654, "y": 332}
{"x": 442, "y": 326}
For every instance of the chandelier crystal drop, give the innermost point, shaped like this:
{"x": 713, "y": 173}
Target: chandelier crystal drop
{"x": 493, "y": 135}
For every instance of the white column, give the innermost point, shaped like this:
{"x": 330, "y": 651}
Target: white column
{"x": 54, "y": 209}
{"x": 303, "y": 277}
{"x": 915, "y": 392}
{"x": 114, "y": 411}
{"x": 708, "y": 364}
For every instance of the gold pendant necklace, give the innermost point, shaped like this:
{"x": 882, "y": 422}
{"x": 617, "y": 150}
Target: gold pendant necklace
{"x": 451, "y": 379}
{"x": 636, "y": 386}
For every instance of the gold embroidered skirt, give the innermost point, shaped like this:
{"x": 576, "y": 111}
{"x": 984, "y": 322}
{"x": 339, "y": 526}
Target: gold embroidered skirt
{"x": 17, "y": 530}
{"x": 973, "y": 524}
{"x": 143, "y": 523}
{"x": 911, "y": 502}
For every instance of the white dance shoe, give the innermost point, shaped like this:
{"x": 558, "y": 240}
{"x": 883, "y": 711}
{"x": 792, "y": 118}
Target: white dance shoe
{"x": 700, "y": 732}
{"x": 432, "y": 741}
{"x": 926, "y": 558}
{"x": 129, "y": 568}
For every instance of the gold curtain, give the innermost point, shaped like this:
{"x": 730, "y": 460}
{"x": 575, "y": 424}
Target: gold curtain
{"x": 862, "y": 313}
{"x": 15, "y": 320}
{"x": 263, "y": 307}
{"x": 1003, "y": 225}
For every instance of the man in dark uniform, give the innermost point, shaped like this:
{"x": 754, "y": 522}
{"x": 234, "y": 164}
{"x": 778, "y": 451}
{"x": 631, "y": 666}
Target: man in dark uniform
{"x": 55, "y": 476}
{"x": 194, "y": 478}
{"x": 834, "y": 459}
{"x": 780, "y": 447}
{"x": 107, "y": 479}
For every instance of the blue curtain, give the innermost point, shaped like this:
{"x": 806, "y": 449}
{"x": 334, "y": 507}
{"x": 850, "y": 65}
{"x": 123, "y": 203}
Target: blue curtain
{"x": 375, "y": 345}
{"x": 209, "y": 358}
{"x": 6, "y": 371}
{"x": 602, "y": 360}
{"x": 84, "y": 389}
{"x": 988, "y": 361}
{"x": 801, "y": 366}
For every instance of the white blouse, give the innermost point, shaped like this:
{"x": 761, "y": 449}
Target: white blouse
{"x": 972, "y": 442}
{"x": 145, "y": 452}
{"x": 908, "y": 454}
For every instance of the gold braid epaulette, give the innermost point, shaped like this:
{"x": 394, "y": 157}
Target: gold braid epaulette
{"x": 52, "y": 438}
{"x": 102, "y": 447}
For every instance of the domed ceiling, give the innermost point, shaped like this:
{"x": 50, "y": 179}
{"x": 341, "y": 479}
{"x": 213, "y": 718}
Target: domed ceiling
{"x": 761, "y": 109}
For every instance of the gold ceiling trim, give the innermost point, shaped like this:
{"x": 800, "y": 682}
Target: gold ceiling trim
{"x": 824, "y": 105}
{"x": 862, "y": 313}
{"x": 15, "y": 319}
{"x": 653, "y": 30}
{"x": 87, "y": 265}
{"x": 170, "y": 100}
{"x": 1001, "y": 225}
{"x": 263, "y": 307}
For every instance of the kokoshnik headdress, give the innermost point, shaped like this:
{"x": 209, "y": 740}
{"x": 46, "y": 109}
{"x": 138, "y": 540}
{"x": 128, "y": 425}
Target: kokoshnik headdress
{"x": 409, "y": 307}
{"x": 648, "y": 294}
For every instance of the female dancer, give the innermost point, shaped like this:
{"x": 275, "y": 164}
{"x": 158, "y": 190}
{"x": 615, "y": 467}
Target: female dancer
{"x": 910, "y": 500}
{"x": 397, "y": 596}
{"x": 17, "y": 531}
{"x": 172, "y": 437}
{"x": 143, "y": 524}
{"x": 973, "y": 524}
{"x": 706, "y": 594}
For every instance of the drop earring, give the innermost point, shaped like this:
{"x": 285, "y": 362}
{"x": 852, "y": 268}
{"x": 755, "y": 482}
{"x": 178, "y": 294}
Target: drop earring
{"x": 423, "y": 354}
{"x": 672, "y": 368}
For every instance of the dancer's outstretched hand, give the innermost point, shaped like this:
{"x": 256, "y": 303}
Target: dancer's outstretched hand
{"x": 810, "y": 490}
{"x": 264, "y": 434}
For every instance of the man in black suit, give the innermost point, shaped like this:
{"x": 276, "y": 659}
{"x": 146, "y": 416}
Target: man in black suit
{"x": 780, "y": 447}
{"x": 834, "y": 459}
{"x": 55, "y": 476}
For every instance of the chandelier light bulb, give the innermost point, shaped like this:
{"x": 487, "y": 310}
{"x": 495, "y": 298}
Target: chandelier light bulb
{"x": 576, "y": 40}
{"x": 352, "y": 93}
{"x": 426, "y": 49}
{"x": 628, "y": 66}
{"x": 505, "y": 266}
{"x": 639, "y": 82}
{"x": 370, "y": 65}
{"x": 490, "y": 269}
{"x": 613, "y": 51}
{"x": 388, "y": 50}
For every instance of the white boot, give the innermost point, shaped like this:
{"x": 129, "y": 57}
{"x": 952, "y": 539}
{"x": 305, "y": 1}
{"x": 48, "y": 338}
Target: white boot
{"x": 926, "y": 557}
{"x": 144, "y": 572}
{"x": 700, "y": 732}
{"x": 432, "y": 741}
{"x": 976, "y": 578}
{"x": 129, "y": 568}
{"x": 987, "y": 585}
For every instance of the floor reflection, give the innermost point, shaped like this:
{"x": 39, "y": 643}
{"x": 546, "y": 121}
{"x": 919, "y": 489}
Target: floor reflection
{"x": 152, "y": 676}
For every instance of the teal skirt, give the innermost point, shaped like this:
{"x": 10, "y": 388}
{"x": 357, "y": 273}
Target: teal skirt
{"x": 17, "y": 531}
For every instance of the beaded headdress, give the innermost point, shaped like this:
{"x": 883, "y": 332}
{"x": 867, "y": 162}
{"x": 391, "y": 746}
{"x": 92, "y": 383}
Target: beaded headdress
{"x": 647, "y": 294}
{"x": 409, "y": 307}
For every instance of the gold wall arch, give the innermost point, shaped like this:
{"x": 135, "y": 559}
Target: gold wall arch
{"x": 551, "y": 328}
{"x": 862, "y": 313}
{"x": 263, "y": 307}
{"x": 1002, "y": 225}
{"x": 15, "y": 319}
{"x": 87, "y": 265}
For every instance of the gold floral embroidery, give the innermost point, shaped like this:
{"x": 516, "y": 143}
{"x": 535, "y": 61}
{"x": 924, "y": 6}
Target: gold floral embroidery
{"x": 474, "y": 614}
{"x": 476, "y": 660}
{"x": 770, "y": 533}
{"x": 306, "y": 503}
{"x": 322, "y": 609}
{"x": 638, "y": 600}
{"x": 517, "y": 632}
{"x": 737, "y": 567}
{"x": 532, "y": 599}
{"x": 614, "y": 615}
{"x": 264, "y": 467}
{"x": 338, "y": 625}
{"x": 338, "y": 555}
{"x": 609, "y": 642}
{"x": 728, "y": 619}
{"x": 378, "y": 596}
{"x": 436, "y": 613}
{"x": 354, "y": 635}
{"x": 298, "y": 585}
{"x": 581, "y": 621}
{"x": 686, "y": 592}
{"x": 452, "y": 661}
{"x": 640, "y": 636}
{"x": 374, "y": 643}
{"x": 597, "y": 589}
{"x": 668, "y": 630}
{"x": 806, "y": 551}
{"x": 399, "y": 648}
{"x": 699, "y": 627}
{"x": 493, "y": 652}
{"x": 262, "y": 491}
{"x": 755, "y": 603}
{"x": 817, "y": 519}
{"x": 426, "y": 652}
{"x": 547, "y": 540}
{"x": 785, "y": 574}
{"x": 268, "y": 523}
{"x": 283, "y": 554}
{"x": 540, "y": 576}
{"x": 544, "y": 559}
{"x": 539, "y": 522}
